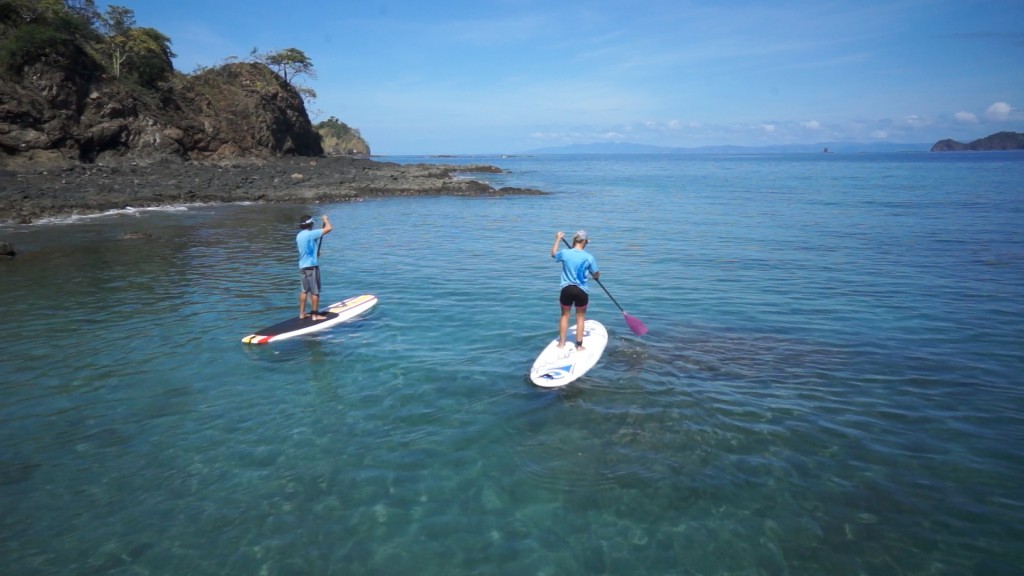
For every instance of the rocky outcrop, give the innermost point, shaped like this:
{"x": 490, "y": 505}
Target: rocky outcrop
{"x": 26, "y": 196}
{"x": 53, "y": 118}
{"x": 339, "y": 139}
{"x": 94, "y": 118}
{"x": 997, "y": 141}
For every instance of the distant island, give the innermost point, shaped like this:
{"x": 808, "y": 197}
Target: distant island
{"x": 997, "y": 141}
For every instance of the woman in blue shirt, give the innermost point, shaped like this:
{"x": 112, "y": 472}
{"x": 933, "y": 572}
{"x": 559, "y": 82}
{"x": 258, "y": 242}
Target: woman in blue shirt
{"x": 576, "y": 262}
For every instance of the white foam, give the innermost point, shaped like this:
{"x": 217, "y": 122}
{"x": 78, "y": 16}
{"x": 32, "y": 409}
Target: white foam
{"x": 126, "y": 211}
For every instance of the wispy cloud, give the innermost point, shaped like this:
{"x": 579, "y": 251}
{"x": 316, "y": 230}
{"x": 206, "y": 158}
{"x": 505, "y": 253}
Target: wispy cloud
{"x": 999, "y": 111}
{"x": 965, "y": 117}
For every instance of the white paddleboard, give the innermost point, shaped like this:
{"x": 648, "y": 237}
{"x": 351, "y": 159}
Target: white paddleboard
{"x": 559, "y": 366}
{"x": 335, "y": 314}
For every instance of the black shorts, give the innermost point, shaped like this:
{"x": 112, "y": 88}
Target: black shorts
{"x": 573, "y": 295}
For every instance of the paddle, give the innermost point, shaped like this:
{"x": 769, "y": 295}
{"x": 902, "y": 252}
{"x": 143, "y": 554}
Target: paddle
{"x": 634, "y": 324}
{"x": 319, "y": 243}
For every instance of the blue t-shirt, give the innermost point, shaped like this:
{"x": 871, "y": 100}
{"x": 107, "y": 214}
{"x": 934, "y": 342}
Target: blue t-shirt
{"x": 306, "y": 241}
{"x": 575, "y": 265}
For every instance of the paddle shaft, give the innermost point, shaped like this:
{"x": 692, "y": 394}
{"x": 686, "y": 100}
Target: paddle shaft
{"x": 319, "y": 243}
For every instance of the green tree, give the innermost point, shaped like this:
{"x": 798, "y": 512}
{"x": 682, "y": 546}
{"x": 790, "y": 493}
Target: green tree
{"x": 85, "y": 9}
{"x": 289, "y": 64}
{"x": 151, "y": 56}
{"x": 117, "y": 22}
{"x": 145, "y": 52}
{"x": 48, "y": 31}
{"x": 21, "y": 12}
{"x": 336, "y": 128}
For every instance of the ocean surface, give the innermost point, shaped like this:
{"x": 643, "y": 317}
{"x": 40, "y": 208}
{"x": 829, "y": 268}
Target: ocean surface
{"x": 832, "y": 384}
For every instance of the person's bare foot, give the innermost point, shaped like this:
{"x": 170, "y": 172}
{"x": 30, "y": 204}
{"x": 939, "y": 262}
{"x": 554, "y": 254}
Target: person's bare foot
{"x": 579, "y": 346}
{"x": 317, "y": 318}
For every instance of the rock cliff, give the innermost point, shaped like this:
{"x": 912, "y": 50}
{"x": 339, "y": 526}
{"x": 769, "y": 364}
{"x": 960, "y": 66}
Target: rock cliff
{"x": 242, "y": 109}
{"x": 80, "y": 86}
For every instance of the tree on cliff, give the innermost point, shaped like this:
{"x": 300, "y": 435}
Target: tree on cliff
{"x": 146, "y": 50}
{"x": 289, "y": 64}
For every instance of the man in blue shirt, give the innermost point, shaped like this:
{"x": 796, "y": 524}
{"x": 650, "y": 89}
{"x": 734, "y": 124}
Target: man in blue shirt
{"x": 308, "y": 242}
{"x": 575, "y": 265}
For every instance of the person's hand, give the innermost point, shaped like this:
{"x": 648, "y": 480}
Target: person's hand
{"x": 325, "y": 217}
{"x": 559, "y": 236}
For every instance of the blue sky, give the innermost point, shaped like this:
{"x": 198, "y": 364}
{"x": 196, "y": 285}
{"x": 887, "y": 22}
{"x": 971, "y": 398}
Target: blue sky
{"x": 505, "y": 76}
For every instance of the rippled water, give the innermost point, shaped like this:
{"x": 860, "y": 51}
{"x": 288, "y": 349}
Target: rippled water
{"x": 831, "y": 383}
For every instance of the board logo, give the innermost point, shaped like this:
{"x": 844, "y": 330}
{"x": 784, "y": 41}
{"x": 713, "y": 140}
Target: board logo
{"x": 557, "y": 373}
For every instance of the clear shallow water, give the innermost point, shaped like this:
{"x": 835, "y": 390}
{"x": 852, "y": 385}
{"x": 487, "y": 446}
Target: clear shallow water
{"x": 831, "y": 385}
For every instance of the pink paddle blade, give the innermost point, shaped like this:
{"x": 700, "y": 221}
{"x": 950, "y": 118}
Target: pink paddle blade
{"x": 635, "y": 325}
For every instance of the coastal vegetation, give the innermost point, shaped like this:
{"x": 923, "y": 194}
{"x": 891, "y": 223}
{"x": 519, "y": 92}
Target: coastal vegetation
{"x": 73, "y": 35}
{"x": 79, "y": 85}
{"x": 339, "y": 138}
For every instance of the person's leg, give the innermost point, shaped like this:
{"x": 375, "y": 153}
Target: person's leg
{"x": 563, "y": 325}
{"x": 315, "y": 300}
{"x": 314, "y": 294}
{"x": 581, "y": 316}
{"x": 565, "y": 300}
{"x": 304, "y": 288}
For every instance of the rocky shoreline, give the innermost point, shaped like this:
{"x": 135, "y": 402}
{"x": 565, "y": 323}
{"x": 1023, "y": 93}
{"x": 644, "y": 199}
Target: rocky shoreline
{"x": 29, "y": 195}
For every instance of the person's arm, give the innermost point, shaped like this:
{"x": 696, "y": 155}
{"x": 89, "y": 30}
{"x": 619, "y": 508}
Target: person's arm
{"x": 327, "y": 226}
{"x": 558, "y": 240}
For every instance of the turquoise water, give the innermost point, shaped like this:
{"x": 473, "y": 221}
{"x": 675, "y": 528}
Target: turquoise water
{"x": 832, "y": 382}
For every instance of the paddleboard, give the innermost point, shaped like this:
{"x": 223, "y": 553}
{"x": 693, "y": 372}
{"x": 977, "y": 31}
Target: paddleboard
{"x": 334, "y": 314}
{"x": 559, "y": 366}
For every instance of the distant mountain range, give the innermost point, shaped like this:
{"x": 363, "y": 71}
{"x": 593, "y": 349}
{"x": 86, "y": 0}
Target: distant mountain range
{"x": 817, "y": 148}
{"x": 998, "y": 141}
